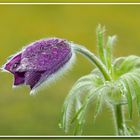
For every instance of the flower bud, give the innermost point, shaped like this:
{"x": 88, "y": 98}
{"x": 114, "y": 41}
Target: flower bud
{"x": 39, "y": 61}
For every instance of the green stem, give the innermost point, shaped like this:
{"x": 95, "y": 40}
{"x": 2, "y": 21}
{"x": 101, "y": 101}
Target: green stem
{"x": 119, "y": 119}
{"x": 95, "y": 60}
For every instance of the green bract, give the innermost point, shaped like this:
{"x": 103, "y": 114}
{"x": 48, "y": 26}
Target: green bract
{"x": 121, "y": 89}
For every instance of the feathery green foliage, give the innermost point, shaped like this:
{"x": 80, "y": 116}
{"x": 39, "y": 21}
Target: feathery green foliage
{"x": 123, "y": 89}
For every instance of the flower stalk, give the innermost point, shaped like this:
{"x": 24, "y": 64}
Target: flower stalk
{"x": 94, "y": 59}
{"x": 118, "y": 116}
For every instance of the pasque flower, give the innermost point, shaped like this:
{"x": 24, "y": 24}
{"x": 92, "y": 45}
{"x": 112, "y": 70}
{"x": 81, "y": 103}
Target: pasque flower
{"x": 38, "y": 61}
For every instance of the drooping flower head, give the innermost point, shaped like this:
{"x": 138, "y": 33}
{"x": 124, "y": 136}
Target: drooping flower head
{"x": 39, "y": 61}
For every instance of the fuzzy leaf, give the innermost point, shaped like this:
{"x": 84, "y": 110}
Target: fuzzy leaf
{"x": 131, "y": 82}
{"x": 129, "y": 91}
{"x": 115, "y": 96}
{"x": 123, "y": 65}
{"x": 136, "y": 85}
{"x": 99, "y": 102}
{"x": 129, "y": 130}
{"x": 74, "y": 101}
{"x": 128, "y": 96}
{"x": 100, "y": 40}
{"x": 109, "y": 46}
{"x": 80, "y": 116}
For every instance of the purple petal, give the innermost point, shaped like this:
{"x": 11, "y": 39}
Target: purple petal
{"x": 45, "y": 75}
{"x": 19, "y": 78}
{"x": 44, "y": 54}
{"x": 12, "y": 66}
{"x": 32, "y": 77}
{"x": 13, "y": 63}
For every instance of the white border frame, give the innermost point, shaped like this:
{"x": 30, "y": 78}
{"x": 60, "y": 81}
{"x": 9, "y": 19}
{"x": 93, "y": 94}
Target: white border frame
{"x": 67, "y": 3}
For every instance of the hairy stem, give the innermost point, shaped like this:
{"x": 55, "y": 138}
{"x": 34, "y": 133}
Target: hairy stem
{"x": 95, "y": 60}
{"x": 118, "y": 119}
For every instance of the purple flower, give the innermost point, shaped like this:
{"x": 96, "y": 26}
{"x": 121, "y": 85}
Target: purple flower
{"x": 39, "y": 61}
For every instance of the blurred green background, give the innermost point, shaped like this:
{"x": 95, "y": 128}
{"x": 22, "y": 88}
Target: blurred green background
{"x": 22, "y": 114}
